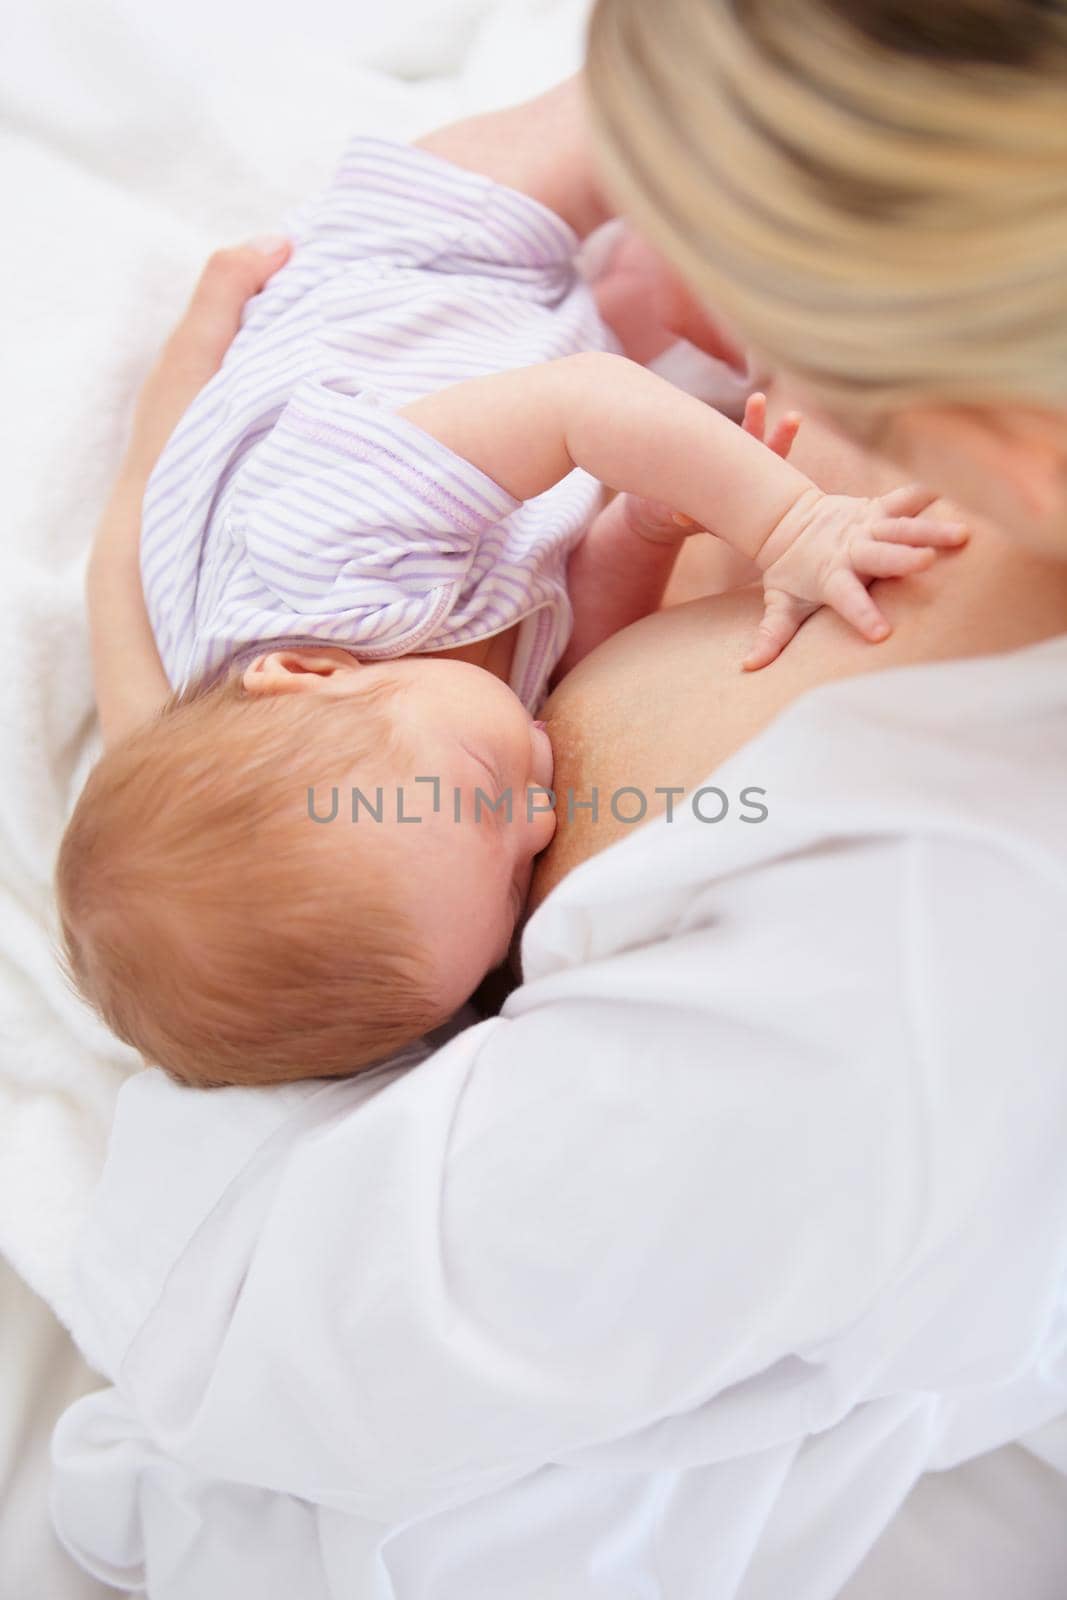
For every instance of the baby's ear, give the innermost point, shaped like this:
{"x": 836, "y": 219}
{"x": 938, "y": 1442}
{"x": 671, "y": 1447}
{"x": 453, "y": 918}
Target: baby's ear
{"x": 297, "y": 671}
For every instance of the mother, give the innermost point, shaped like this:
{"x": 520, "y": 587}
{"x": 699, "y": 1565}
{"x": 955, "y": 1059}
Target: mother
{"x": 751, "y": 1206}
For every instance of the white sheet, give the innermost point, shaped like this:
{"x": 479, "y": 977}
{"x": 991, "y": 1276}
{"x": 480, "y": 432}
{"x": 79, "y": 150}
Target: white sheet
{"x": 41, "y": 1375}
{"x": 134, "y": 140}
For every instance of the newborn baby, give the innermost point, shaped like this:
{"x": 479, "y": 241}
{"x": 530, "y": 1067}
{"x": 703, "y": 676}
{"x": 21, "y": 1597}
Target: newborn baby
{"x": 371, "y": 541}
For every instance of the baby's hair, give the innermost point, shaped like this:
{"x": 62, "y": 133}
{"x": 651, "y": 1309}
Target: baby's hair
{"x": 204, "y": 914}
{"x": 874, "y": 191}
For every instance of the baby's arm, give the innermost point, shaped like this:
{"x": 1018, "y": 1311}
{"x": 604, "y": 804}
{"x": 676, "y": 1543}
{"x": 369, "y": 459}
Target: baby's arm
{"x": 540, "y": 148}
{"x": 631, "y": 429}
{"x": 618, "y": 573}
{"x": 638, "y": 433}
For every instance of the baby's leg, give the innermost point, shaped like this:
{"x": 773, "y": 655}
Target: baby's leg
{"x": 541, "y": 148}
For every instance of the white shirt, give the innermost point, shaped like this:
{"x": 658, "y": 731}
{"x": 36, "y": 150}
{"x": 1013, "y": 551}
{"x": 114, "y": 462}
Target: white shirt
{"x": 667, "y": 1282}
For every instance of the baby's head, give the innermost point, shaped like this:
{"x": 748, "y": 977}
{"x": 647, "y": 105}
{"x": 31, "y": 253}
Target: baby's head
{"x": 239, "y": 896}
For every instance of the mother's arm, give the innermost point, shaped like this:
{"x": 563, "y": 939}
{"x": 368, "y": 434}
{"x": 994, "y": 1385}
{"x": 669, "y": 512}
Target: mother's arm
{"x": 128, "y": 675}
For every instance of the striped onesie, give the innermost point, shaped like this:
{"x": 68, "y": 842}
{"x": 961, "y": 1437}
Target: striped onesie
{"x": 293, "y": 506}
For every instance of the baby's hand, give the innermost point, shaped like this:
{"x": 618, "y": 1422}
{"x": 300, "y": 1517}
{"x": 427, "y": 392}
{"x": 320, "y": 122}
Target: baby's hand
{"x": 828, "y": 547}
{"x": 783, "y": 435}
{"x": 660, "y": 524}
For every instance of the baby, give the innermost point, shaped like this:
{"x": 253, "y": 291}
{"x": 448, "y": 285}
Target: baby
{"x": 371, "y": 541}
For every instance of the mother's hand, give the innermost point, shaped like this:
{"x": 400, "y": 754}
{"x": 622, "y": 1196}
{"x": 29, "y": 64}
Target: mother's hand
{"x": 131, "y": 685}
{"x": 194, "y": 352}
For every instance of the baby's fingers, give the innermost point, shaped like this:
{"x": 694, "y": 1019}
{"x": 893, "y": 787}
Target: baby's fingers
{"x": 846, "y": 595}
{"x": 908, "y": 501}
{"x": 784, "y": 433}
{"x": 890, "y": 560}
{"x": 754, "y": 420}
{"x": 929, "y": 531}
{"x": 782, "y": 616}
{"x": 652, "y": 520}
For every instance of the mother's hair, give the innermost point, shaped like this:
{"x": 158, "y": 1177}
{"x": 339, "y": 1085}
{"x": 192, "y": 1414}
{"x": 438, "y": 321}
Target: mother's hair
{"x": 874, "y": 190}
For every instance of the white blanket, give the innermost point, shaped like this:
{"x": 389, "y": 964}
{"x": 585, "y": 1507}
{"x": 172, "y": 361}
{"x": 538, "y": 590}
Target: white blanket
{"x": 133, "y": 140}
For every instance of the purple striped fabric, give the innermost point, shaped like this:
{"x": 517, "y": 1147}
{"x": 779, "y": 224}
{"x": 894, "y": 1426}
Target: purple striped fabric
{"x": 292, "y": 504}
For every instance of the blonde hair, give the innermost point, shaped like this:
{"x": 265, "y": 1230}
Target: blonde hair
{"x": 208, "y": 920}
{"x": 875, "y": 191}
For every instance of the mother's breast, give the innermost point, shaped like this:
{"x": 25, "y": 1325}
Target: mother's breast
{"x": 659, "y": 705}
{"x": 665, "y": 702}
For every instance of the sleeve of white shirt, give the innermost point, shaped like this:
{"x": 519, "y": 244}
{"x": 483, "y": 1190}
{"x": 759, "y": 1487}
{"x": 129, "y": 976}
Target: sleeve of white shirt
{"x": 576, "y": 1219}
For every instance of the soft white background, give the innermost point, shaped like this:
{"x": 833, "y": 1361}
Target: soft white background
{"x": 135, "y": 138}
{"x": 135, "y": 135}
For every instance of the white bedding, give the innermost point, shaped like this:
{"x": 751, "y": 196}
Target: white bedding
{"x": 133, "y": 139}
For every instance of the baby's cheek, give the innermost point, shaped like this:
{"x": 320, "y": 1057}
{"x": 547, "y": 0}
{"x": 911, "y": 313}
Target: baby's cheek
{"x": 485, "y": 925}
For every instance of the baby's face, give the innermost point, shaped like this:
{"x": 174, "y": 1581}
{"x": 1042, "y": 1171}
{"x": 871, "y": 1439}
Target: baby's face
{"x": 648, "y": 305}
{"x": 466, "y": 864}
